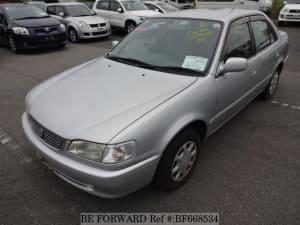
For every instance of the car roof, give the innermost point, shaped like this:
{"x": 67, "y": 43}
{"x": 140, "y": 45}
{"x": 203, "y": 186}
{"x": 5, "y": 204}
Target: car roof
{"x": 65, "y": 3}
{"x": 225, "y": 15}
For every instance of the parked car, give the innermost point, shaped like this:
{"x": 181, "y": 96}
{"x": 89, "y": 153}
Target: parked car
{"x": 265, "y": 6}
{"x": 81, "y": 22}
{"x": 112, "y": 125}
{"x": 124, "y": 14}
{"x": 160, "y": 6}
{"x": 41, "y": 5}
{"x": 182, "y": 4}
{"x": 59, "y": 1}
{"x": 26, "y": 26}
{"x": 236, "y": 4}
{"x": 290, "y": 12}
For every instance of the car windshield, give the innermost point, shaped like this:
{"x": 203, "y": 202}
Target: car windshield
{"x": 134, "y": 6}
{"x": 293, "y": 1}
{"x": 25, "y": 12}
{"x": 167, "y": 7}
{"x": 78, "y": 10}
{"x": 182, "y": 46}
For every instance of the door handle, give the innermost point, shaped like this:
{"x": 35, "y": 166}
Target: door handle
{"x": 277, "y": 54}
{"x": 254, "y": 72}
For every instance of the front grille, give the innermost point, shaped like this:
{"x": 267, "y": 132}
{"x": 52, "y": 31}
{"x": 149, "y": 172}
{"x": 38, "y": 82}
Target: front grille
{"x": 98, "y": 25}
{"x": 295, "y": 11}
{"x": 47, "y": 136}
{"x": 99, "y": 33}
{"x": 45, "y": 30}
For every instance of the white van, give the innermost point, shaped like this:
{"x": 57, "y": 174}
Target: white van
{"x": 241, "y": 4}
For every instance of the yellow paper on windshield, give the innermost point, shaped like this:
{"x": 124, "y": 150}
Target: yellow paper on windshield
{"x": 194, "y": 63}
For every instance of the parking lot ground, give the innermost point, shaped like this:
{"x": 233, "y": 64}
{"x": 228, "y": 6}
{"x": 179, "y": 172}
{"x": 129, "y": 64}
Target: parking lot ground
{"x": 248, "y": 171}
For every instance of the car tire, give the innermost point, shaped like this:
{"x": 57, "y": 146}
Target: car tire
{"x": 130, "y": 26}
{"x": 72, "y": 35}
{"x": 272, "y": 86}
{"x": 178, "y": 160}
{"x": 14, "y": 47}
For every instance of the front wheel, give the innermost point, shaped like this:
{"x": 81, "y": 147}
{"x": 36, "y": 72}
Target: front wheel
{"x": 72, "y": 34}
{"x": 178, "y": 161}
{"x": 130, "y": 26}
{"x": 13, "y": 44}
{"x": 272, "y": 86}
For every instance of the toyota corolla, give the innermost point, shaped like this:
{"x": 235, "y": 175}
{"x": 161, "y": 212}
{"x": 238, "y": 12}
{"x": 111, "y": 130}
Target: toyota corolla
{"x": 142, "y": 112}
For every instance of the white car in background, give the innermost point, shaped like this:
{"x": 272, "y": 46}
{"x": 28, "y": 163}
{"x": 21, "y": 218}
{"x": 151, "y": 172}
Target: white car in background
{"x": 290, "y": 12}
{"x": 160, "y": 6}
{"x": 125, "y": 14}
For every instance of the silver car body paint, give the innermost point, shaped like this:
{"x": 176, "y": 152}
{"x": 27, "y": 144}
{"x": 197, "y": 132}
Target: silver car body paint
{"x": 109, "y": 102}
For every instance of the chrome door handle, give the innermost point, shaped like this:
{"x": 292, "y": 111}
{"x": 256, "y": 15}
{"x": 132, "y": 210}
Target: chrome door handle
{"x": 277, "y": 54}
{"x": 254, "y": 72}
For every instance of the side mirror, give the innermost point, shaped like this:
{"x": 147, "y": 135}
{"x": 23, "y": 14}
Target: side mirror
{"x": 61, "y": 14}
{"x": 284, "y": 3}
{"x": 114, "y": 43}
{"x": 234, "y": 64}
{"x": 119, "y": 10}
{"x": 94, "y": 13}
{"x": 156, "y": 10}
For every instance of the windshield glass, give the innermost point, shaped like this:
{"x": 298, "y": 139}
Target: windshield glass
{"x": 133, "y": 5}
{"x": 179, "y": 43}
{"x": 78, "y": 10}
{"x": 167, "y": 7}
{"x": 25, "y": 12}
{"x": 293, "y": 1}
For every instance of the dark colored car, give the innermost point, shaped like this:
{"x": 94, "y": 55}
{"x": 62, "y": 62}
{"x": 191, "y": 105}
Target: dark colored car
{"x": 27, "y": 26}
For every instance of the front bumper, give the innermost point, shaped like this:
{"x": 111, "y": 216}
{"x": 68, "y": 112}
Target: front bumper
{"x": 40, "y": 41}
{"x": 289, "y": 17}
{"x": 94, "y": 33}
{"x": 103, "y": 183}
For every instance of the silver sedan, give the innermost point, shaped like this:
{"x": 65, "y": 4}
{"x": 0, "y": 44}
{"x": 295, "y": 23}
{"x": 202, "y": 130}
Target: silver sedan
{"x": 142, "y": 112}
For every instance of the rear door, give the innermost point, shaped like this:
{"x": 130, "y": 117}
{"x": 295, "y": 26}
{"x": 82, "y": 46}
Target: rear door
{"x": 102, "y": 9}
{"x": 235, "y": 89}
{"x": 117, "y": 19}
{"x": 267, "y": 50}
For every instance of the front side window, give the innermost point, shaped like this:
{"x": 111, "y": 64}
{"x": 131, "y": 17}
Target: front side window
{"x": 239, "y": 42}
{"x": 51, "y": 10}
{"x": 59, "y": 9}
{"x": 293, "y": 1}
{"x": 151, "y": 7}
{"x": 134, "y": 5}
{"x": 175, "y": 45}
{"x": 262, "y": 35}
{"x": 78, "y": 10}
{"x": 24, "y": 12}
{"x": 103, "y": 5}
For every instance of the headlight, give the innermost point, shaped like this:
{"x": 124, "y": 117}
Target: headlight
{"x": 285, "y": 10}
{"x": 83, "y": 24}
{"x": 20, "y": 30}
{"x": 62, "y": 27}
{"x": 104, "y": 153}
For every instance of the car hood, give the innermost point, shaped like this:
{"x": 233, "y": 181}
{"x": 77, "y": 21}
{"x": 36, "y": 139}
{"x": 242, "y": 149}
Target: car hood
{"x": 144, "y": 13}
{"x": 88, "y": 19}
{"x": 292, "y": 6}
{"x": 98, "y": 100}
{"x": 31, "y": 23}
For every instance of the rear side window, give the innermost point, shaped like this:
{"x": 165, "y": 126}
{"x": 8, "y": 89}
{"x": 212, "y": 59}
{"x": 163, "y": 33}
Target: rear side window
{"x": 103, "y": 5}
{"x": 263, "y": 34}
{"x": 239, "y": 42}
{"x": 114, "y": 6}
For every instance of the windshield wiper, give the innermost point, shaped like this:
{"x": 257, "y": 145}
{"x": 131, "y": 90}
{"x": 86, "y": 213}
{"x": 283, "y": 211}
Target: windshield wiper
{"x": 81, "y": 15}
{"x": 30, "y": 17}
{"x": 136, "y": 62}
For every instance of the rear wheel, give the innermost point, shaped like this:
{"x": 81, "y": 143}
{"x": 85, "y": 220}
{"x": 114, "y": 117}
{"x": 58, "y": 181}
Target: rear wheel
{"x": 272, "y": 86}
{"x": 13, "y": 44}
{"x": 178, "y": 161}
